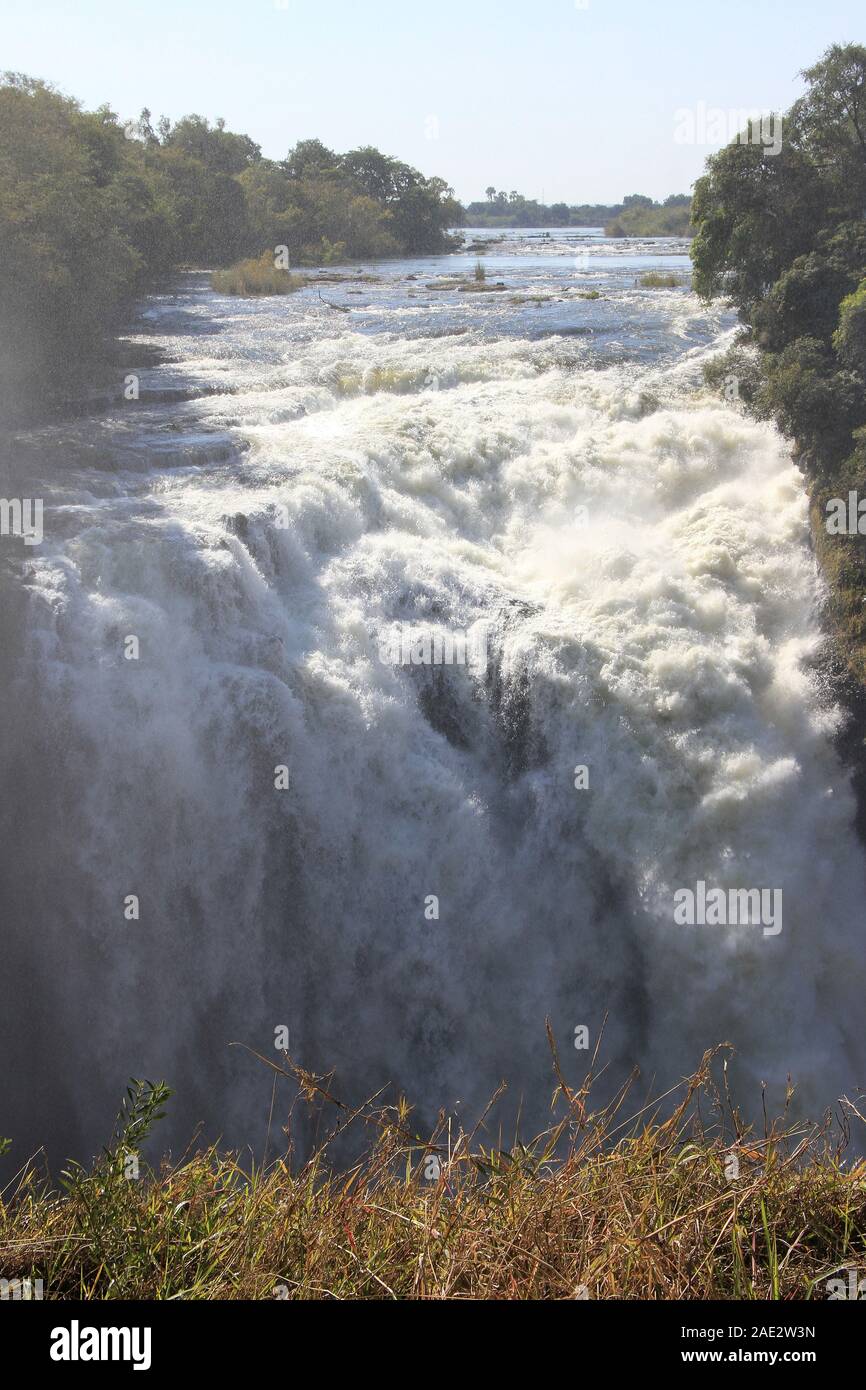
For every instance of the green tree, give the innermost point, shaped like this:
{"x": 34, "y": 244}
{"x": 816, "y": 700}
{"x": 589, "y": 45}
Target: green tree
{"x": 219, "y": 150}
{"x": 65, "y": 264}
{"x": 310, "y": 158}
{"x": 91, "y": 211}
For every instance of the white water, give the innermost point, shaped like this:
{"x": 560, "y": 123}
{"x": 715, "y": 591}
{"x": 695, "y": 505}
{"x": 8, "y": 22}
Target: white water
{"x": 669, "y": 645}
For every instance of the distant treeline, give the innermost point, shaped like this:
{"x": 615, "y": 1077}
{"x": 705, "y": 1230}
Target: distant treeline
{"x": 636, "y": 215}
{"x": 92, "y": 212}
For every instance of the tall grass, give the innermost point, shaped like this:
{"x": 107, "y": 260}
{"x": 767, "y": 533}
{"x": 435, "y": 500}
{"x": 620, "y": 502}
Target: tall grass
{"x": 660, "y": 280}
{"x": 256, "y": 276}
{"x": 679, "y": 1200}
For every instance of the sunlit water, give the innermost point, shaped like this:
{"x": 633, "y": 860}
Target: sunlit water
{"x": 292, "y": 482}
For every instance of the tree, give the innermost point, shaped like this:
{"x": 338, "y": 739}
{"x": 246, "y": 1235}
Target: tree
{"x": 92, "y": 211}
{"x": 756, "y": 215}
{"x": 65, "y": 265}
{"x": 830, "y": 120}
{"x": 213, "y": 146}
{"x": 309, "y": 158}
{"x": 784, "y": 236}
{"x": 143, "y": 130}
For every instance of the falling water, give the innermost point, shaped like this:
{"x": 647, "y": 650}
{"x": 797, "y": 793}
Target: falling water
{"x": 292, "y": 482}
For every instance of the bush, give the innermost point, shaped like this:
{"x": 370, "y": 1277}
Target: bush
{"x": 738, "y": 374}
{"x": 849, "y": 340}
{"x": 256, "y": 276}
{"x": 660, "y": 280}
{"x": 804, "y": 302}
{"x": 812, "y": 401}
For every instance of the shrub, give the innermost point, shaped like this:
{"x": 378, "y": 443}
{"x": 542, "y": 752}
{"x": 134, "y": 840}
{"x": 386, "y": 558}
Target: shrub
{"x": 660, "y": 280}
{"x": 803, "y": 303}
{"x": 812, "y": 400}
{"x": 256, "y": 276}
{"x": 742, "y": 368}
{"x": 849, "y": 340}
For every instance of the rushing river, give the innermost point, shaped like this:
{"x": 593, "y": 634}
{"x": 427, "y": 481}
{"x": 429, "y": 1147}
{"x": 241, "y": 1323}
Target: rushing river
{"x": 300, "y": 475}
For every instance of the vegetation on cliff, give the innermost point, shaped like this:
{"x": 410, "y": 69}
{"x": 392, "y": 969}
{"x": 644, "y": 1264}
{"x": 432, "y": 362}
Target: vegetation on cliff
{"x": 784, "y": 236}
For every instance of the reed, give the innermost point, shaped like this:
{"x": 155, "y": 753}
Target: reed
{"x": 257, "y": 276}
{"x": 675, "y": 1199}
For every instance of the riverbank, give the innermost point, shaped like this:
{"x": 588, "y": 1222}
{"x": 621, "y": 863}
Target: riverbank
{"x": 94, "y": 213}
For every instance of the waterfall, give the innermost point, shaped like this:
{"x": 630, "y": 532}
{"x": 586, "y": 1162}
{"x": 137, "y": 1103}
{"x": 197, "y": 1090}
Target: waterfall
{"x": 233, "y": 808}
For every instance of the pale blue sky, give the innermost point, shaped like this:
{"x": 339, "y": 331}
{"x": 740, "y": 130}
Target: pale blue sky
{"x": 547, "y": 97}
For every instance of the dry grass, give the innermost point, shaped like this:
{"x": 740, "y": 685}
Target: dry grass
{"x": 257, "y": 276}
{"x": 599, "y": 1206}
{"x": 660, "y": 280}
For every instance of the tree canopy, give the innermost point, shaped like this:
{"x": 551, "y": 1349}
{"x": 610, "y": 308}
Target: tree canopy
{"x": 91, "y": 211}
{"x": 784, "y": 237}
